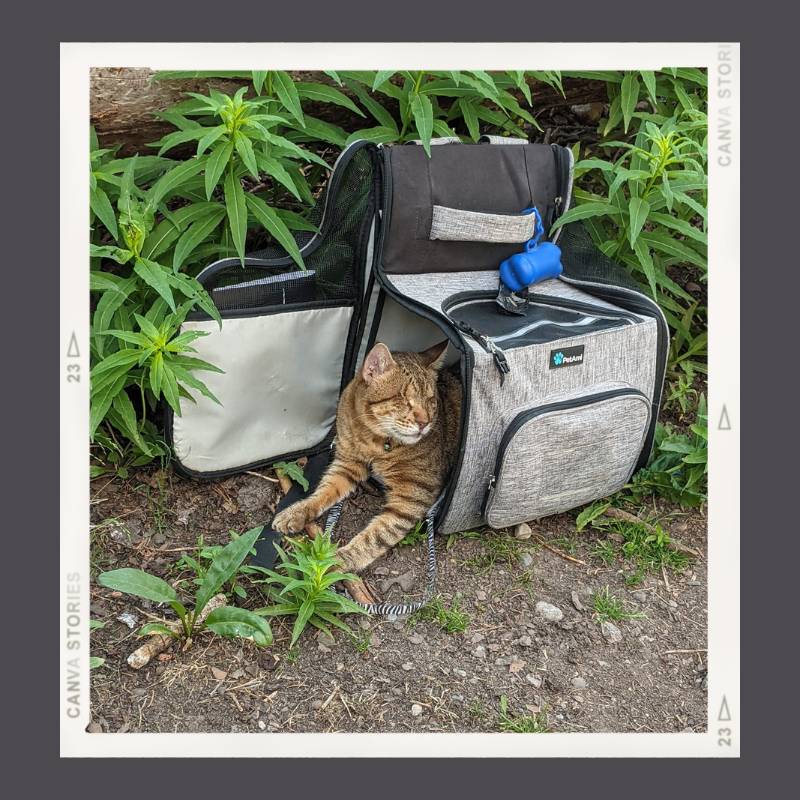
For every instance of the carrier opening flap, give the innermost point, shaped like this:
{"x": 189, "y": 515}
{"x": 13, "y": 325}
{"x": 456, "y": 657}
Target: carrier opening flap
{"x": 461, "y": 209}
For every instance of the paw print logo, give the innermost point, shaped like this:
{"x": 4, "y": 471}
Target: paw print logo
{"x": 558, "y": 359}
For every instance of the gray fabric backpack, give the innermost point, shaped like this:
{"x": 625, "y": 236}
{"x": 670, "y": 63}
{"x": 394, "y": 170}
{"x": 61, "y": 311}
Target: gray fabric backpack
{"x": 560, "y": 400}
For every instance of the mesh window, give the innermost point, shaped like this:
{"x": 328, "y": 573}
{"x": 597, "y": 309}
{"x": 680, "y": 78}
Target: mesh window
{"x": 582, "y": 260}
{"x": 334, "y": 259}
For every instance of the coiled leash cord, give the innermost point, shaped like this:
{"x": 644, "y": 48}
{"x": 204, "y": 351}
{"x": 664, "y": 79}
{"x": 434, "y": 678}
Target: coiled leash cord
{"x": 399, "y": 609}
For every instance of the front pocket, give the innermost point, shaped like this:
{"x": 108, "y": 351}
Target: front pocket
{"x": 557, "y": 456}
{"x": 283, "y": 374}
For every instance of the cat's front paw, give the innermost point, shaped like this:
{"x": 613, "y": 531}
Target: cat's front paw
{"x": 292, "y": 519}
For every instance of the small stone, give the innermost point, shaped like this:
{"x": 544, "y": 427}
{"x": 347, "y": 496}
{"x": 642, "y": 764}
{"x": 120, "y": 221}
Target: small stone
{"x": 94, "y": 727}
{"x": 416, "y": 710}
{"x": 325, "y": 639}
{"x": 460, "y": 672}
{"x": 523, "y": 531}
{"x": 408, "y": 666}
{"x": 479, "y": 651}
{"x": 477, "y": 637}
{"x": 526, "y": 560}
{"x": 516, "y": 665}
{"x": 322, "y": 648}
{"x": 128, "y": 618}
{"x": 549, "y": 612}
{"x": 611, "y": 632}
{"x": 262, "y": 726}
{"x": 459, "y": 698}
{"x": 578, "y": 683}
{"x": 481, "y": 595}
{"x": 219, "y": 674}
{"x": 159, "y": 538}
{"x": 576, "y": 601}
{"x": 640, "y": 597}
{"x": 416, "y": 638}
{"x": 534, "y": 680}
{"x": 504, "y": 661}
{"x": 316, "y": 705}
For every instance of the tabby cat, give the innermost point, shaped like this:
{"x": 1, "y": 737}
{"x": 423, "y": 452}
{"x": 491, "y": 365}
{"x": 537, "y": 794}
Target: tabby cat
{"x": 397, "y": 420}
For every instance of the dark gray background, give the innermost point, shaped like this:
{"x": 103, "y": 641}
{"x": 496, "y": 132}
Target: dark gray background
{"x": 32, "y": 379}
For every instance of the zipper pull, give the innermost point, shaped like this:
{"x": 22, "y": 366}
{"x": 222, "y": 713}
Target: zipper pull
{"x": 499, "y": 358}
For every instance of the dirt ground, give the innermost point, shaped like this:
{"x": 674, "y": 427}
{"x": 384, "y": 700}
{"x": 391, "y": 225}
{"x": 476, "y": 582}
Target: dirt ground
{"x": 406, "y": 674}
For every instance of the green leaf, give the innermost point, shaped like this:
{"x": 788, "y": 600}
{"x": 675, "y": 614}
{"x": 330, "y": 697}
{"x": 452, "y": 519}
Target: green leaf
{"x": 324, "y": 131}
{"x": 237, "y": 212}
{"x": 123, "y": 406}
{"x": 422, "y": 111}
{"x": 156, "y": 276}
{"x": 679, "y": 225}
{"x": 103, "y": 210}
{"x": 645, "y": 260}
{"x": 95, "y": 662}
{"x": 156, "y": 373}
{"x": 169, "y": 386}
{"x": 157, "y": 628}
{"x": 244, "y": 148}
{"x": 117, "y": 254}
{"x": 278, "y": 172}
{"x": 382, "y": 116}
{"x": 673, "y": 248}
{"x": 292, "y": 470}
{"x": 239, "y": 622}
{"x": 629, "y": 97}
{"x": 275, "y": 225}
{"x": 296, "y": 222}
{"x": 470, "y": 118}
{"x": 638, "y": 209}
{"x": 321, "y": 93}
{"x": 180, "y": 137}
{"x": 166, "y": 185}
{"x": 259, "y": 76}
{"x": 138, "y": 583}
{"x": 379, "y": 135}
{"x": 196, "y": 233}
{"x": 286, "y": 90}
{"x": 649, "y": 80}
{"x": 209, "y": 138}
{"x": 303, "y": 615}
{"x": 224, "y": 566}
{"x": 584, "y": 211}
{"x": 590, "y": 513}
{"x": 215, "y": 165}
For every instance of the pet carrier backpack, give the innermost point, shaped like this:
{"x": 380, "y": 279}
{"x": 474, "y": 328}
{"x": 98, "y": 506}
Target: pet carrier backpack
{"x": 560, "y": 399}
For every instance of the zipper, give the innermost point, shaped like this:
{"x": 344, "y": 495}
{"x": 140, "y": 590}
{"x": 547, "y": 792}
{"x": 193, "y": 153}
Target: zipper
{"x": 489, "y": 344}
{"x": 562, "y": 172}
{"x": 526, "y": 416}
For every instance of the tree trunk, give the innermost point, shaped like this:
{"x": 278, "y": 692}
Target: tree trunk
{"x": 125, "y": 101}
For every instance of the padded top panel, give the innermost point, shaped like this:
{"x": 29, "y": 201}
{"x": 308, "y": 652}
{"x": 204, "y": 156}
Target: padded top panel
{"x": 471, "y": 177}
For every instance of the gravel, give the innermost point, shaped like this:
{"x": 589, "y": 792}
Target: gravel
{"x": 611, "y": 632}
{"x": 549, "y": 612}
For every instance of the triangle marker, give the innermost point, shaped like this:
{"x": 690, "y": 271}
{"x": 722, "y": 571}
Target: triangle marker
{"x": 72, "y": 350}
{"x": 724, "y": 711}
{"x": 724, "y": 420}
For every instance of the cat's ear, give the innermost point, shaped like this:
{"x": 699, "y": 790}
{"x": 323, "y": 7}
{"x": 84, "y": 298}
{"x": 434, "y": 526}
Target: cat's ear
{"x": 434, "y": 356}
{"x": 378, "y": 361}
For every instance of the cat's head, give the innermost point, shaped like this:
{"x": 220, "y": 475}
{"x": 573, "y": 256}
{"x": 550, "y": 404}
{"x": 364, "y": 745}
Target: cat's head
{"x": 399, "y": 392}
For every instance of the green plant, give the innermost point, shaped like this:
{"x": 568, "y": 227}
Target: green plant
{"x": 430, "y": 103}
{"x": 520, "y": 723}
{"x": 496, "y": 548}
{"x": 450, "y": 620}
{"x": 205, "y": 557}
{"x": 293, "y": 471}
{"x": 306, "y": 587}
{"x": 415, "y": 536}
{"x": 678, "y": 469}
{"x": 646, "y": 205}
{"x": 227, "y": 621}
{"x": 608, "y": 607}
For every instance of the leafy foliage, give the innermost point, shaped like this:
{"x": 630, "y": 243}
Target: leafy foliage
{"x": 303, "y": 589}
{"x": 228, "y": 621}
{"x": 293, "y": 471}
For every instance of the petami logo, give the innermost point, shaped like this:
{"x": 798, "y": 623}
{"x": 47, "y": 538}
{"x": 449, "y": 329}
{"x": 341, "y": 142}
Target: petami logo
{"x": 566, "y": 356}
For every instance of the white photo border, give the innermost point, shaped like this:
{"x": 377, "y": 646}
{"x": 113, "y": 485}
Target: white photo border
{"x": 724, "y": 709}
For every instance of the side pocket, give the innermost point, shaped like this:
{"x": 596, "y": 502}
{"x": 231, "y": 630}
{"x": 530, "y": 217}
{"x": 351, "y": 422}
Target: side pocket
{"x": 557, "y": 456}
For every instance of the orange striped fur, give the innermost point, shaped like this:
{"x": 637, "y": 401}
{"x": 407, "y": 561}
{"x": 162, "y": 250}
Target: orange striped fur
{"x": 398, "y": 420}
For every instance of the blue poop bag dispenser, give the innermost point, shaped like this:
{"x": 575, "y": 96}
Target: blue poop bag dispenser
{"x": 537, "y": 262}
